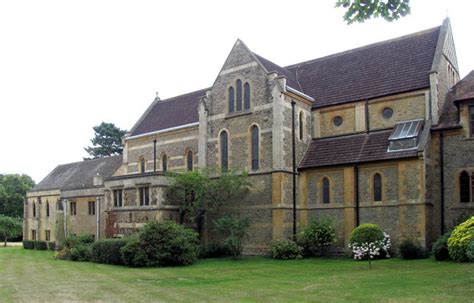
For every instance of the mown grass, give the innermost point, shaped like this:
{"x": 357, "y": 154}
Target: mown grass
{"x": 34, "y": 276}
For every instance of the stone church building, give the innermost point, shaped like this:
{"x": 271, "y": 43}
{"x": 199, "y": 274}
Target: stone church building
{"x": 381, "y": 134}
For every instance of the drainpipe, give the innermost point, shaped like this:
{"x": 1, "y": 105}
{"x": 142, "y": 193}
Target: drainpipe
{"x": 367, "y": 121}
{"x": 154, "y": 155}
{"x": 441, "y": 176}
{"x": 356, "y": 194}
{"x": 97, "y": 216}
{"x": 294, "y": 165}
{"x": 65, "y": 217}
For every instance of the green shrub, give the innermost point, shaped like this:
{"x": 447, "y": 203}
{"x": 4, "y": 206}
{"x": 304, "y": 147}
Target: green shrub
{"x": 409, "y": 250}
{"x": 108, "y": 251}
{"x": 366, "y": 233}
{"x": 459, "y": 240}
{"x": 28, "y": 244}
{"x": 133, "y": 254}
{"x": 470, "y": 250}
{"x": 167, "y": 243}
{"x": 80, "y": 253}
{"x": 72, "y": 241}
{"x": 317, "y": 237}
{"x": 41, "y": 245}
{"x": 284, "y": 250}
{"x": 234, "y": 228}
{"x": 440, "y": 248}
{"x": 63, "y": 254}
{"x": 215, "y": 250}
{"x": 52, "y": 245}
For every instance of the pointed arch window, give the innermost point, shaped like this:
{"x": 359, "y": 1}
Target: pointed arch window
{"x": 189, "y": 159}
{"x": 464, "y": 184}
{"x": 247, "y": 95}
{"x": 47, "y": 209}
{"x": 231, "y": 99}
{"x": 326, "y": 195}
{"x": 34, "y": 210}
{"x": 142, "y": 165}
{"x": 164, "y": 163}
{"x": 255, "y": 147}
{"x": 301, "y": 123}
{"x": 239, "y": 95}
{"x": 377, "y": 187}
{"x": 224, "y": 138}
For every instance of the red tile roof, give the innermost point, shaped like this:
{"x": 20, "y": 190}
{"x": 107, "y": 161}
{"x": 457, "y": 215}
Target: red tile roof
{"x": 172, "y": 112}
{"x": 352, "y": 149}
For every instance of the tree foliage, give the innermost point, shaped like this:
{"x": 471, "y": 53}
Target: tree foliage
{"x": 107, "y": 141}
{"x": 197, "y": 194}
{"x": 10, "y": 228}
{"x": 12, "y": 193}
{"x": 234, "y": 228}
{"x": 362, "y": 10}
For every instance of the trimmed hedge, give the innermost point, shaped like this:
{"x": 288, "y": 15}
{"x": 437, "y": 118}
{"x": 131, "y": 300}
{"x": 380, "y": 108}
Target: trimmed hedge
{"x": 133, "y": 254}
{"x": 440, "y": 248}
{"x": 41, "y": 245}
{"x": 366, "y": 233}
{"x": 28, "y": 244}
{"x": 52, "y": 245}
{"x": 80, "y": 253}
{"x": 284, "y": 250}
{"x": 459, "y": 240}
{"x": 108, "y": 251}
{"x": 409, "y": 250}
{"x": 72, "y": 241}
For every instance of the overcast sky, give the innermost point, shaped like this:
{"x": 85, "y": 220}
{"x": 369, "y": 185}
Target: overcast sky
{"x": 66, "y": 66}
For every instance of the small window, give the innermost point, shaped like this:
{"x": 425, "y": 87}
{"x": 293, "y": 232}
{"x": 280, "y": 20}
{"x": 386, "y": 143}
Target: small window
{"x": 255, "y": 147}
{"x": 117, "y": 197}
{"x": 144, "y": 196}
{"x": 34, "y": 209}
{"x": 387, "y": 113}
{"x": 247, "y": 95}
{"x": 326, "y": 196}
{"x": 464, "y": 184}
{"x": 33, "y": 234}
{"x": 142, "y": 165}
{"x": 471, "y": 119}
{"x": 224, "y": 151}
{"x": 377, "y": 187}
{"x": 47, "y": 235}
{"x": 301, "y": 123}
{"x": 337, "y": 121}
{"x": 239, "y": 95}
{"x": 73, "y": 207}
{"x": 189, "y": 157}
{"x": 91, "y": 208}
{"x": 164, "y": 163}
{"x": 60, "y": 204}
{"x": 231, "y": 99}
{"x": 47, "y": 209}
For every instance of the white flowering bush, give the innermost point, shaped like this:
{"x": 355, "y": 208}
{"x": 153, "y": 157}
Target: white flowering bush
{"x": 374, "y": 244}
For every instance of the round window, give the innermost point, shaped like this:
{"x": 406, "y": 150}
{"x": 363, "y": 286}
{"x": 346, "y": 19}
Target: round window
{"x": 387, "y": 113}
{"x": 337, "y": 121}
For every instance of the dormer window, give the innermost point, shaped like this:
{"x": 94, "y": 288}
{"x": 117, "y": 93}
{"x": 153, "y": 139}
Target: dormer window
{"x": 239, "y": 98}
{"x": 405, "y": 135}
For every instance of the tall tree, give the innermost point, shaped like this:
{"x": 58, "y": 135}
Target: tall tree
{"x": 362, "y": 10}
{"x": 107, "y": 141}
{"x": 12, "y": 193}
{"x": 10, "y": 228}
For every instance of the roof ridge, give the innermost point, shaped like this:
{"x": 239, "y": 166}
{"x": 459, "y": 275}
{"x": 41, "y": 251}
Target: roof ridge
{"x": 88, "y": 160}
{"x": 185, "y": 94}
{"x": 426, "y": 31}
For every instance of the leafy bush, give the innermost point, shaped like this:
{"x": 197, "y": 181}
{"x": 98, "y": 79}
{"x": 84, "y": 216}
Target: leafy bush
{"x": 317, "y": 237}
{"x": 133, "y": 254}
{"x": 41, "y": 245}
{"x": 166, "y": 243}
{"x": 108, "y": 251}
{"x": 234, "y": 228}
{"x": 215, "y": 250}
{"x": 470, "y": 250}
{"x": 80, "y": 253}
{"x": 63, "y": 254}
{"x": 459, "y": 240}
{"x": 409, "y": 250}
{"x": 72, "y": 241}
{"x": 28, "y": 244}
{"x": 51, "y": 245}
{"x": 440, "y": 248}
{"x": 366, "y": 233}
{"x": 284, "y": 250}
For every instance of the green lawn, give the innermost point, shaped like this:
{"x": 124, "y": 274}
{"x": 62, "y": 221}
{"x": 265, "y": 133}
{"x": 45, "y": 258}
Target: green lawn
{"x": 27, "y": 275}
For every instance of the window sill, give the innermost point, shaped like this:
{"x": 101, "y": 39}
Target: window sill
{"x": 238, "y": 114}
